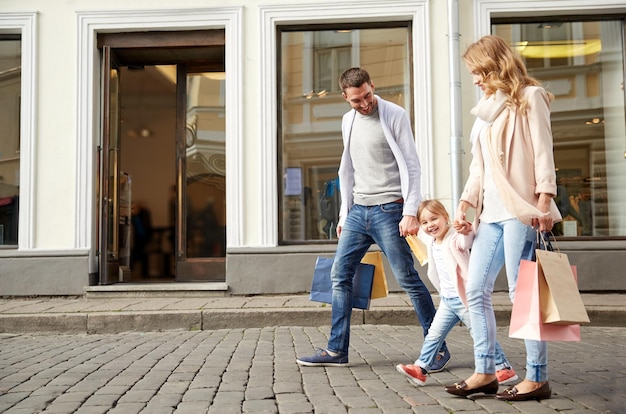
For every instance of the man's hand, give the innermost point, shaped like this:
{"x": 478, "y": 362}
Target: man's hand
{"x": 408, "y": 225}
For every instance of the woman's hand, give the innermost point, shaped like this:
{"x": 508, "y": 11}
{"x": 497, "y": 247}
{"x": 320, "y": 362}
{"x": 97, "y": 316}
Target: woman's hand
{"x": 460, "y": 224}
{"x": 544, "y": 222}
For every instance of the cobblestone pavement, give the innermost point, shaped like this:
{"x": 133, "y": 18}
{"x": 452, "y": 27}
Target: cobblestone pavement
{"x": 253, "y": 370}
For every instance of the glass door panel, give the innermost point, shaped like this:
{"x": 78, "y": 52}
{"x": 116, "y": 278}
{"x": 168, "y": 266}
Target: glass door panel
{"x": 202, "y": 167}
{"x": 111, "y": 220}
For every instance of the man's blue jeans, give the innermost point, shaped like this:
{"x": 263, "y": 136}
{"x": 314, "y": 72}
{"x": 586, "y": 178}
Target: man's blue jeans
{"x": 365, "y": 226}
{"x": 496, "y": 245}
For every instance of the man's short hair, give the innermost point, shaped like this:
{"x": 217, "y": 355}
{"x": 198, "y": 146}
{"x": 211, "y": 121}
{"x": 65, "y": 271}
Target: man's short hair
{"x": 353, "y": 78}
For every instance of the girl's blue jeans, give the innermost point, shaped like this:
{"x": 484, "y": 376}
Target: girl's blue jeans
{"x": 450, "y": 312}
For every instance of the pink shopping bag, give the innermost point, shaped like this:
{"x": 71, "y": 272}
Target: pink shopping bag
{"x": 526, "y": 318}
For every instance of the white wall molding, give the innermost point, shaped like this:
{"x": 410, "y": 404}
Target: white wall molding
{"x": 485, "y": 10}
{"x": 328, "y": 13}
{"x": 88, "y": 128}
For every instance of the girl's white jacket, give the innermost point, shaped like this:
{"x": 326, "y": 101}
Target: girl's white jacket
{"x": 457, "y": 253}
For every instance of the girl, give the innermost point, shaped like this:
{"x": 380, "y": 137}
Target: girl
{"x": 448, "y": 254}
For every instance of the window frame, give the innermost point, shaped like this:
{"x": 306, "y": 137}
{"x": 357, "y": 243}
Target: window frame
{"x": 25, "y": 24}
{"x": 488, "y": 12}
{"x": 343, "y": 13}
{"x": 281, "y": 165}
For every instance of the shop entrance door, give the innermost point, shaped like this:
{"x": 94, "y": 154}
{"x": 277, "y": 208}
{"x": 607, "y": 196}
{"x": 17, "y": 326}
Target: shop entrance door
{"x": 188, "y": 208}
{"x": 112, "y": 243}
{"x": 201, "y": 173}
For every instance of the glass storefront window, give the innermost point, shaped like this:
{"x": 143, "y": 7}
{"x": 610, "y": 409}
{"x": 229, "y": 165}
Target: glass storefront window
{"x": 10, "y": 99}
{"x": 311, "y": 107}
{"x": 582, "y": 64}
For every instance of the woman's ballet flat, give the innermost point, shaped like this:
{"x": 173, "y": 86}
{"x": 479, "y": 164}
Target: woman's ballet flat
{"x": 461, "y": 389}
{"x": 511, "y": 394}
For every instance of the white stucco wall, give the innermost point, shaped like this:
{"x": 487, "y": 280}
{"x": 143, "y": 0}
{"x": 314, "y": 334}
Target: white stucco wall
{"x": 66, "y": 102}
{"x": 61, "y": 215}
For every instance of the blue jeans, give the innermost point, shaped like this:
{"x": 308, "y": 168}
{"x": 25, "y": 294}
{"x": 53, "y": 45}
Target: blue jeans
{"x": 450, "y": 312}
{"x": 365, "y": 226}
{"x": 495, "y": 245}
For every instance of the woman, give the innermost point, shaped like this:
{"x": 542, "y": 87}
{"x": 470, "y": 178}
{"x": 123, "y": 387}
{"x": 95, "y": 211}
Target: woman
{"x": 511, "y": 186}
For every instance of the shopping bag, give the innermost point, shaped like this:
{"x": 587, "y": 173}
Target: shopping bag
{"x": 560, "y": 299}
{"x": 322, "y": 286}
{"x": 380, "y": 289}
{"x": 526, "y": 321}
{"x": 418, "y": 248}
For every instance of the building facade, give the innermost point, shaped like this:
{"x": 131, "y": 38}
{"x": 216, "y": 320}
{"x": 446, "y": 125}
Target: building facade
{"x": 197, "y": 143}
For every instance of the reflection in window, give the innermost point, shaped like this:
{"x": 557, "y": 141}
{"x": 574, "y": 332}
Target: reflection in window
{"x": 10, "y": 86}
{"x": 206, "y": 166}
{"x": 581, "y": 62}
{"x": 311, "y": 107}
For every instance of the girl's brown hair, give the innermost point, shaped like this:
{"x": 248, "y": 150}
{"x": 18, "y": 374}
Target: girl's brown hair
{"x": 434, "y": 206}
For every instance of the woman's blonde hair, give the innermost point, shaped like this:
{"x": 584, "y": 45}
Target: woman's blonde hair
{"x": 434, "y": 206}
{"x": 501, "y": 68}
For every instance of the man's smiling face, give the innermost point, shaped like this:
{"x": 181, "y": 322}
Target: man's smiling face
{"x": 362, "y": 99}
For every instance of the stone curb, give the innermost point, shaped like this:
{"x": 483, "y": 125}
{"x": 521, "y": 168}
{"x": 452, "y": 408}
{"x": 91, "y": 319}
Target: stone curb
{"x": 154, "y": 321}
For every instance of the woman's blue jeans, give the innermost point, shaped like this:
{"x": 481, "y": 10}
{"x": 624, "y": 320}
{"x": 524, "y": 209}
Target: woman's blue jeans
{"x": 364, "y": 226}
{"x": 496, "y": 245}
{"x": 450, "y": 312}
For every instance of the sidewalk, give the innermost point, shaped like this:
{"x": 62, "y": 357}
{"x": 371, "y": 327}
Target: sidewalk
{"x": 145, "y": 314}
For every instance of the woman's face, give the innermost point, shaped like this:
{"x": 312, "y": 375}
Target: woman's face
{"x": 478, "y": 79}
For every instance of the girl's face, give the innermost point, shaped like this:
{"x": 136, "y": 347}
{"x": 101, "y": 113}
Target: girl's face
{"x": 433, "y": 224}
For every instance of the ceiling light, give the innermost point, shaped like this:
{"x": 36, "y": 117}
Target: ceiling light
{"x": 558, "y": 48}
{"x": 550, "y": 25}
{"x": 595, "y": 121}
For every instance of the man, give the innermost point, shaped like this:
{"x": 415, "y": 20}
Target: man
{"x": 379, "y": 177}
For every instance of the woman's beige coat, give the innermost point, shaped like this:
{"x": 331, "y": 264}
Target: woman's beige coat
{"x": 522, "y": 158}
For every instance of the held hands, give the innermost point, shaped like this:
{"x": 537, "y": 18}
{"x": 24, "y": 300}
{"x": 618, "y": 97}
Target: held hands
{"x": 408, "y": 225}
{"x": 460, "y": 224}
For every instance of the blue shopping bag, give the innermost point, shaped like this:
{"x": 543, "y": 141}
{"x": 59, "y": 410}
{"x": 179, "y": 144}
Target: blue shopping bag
{"x": 322, "y": 287}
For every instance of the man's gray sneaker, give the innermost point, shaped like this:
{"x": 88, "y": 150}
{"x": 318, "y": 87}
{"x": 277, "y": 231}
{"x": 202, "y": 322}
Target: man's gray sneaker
{"x": 323, "y": 359}
{"x": 440, "y": 362}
